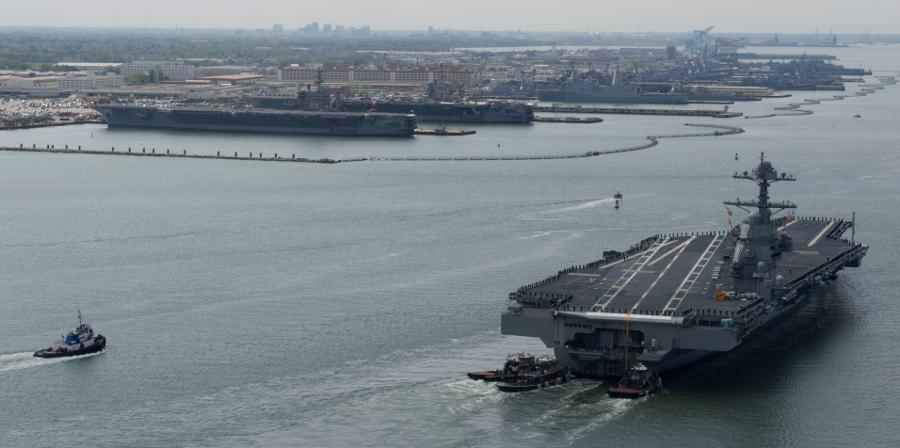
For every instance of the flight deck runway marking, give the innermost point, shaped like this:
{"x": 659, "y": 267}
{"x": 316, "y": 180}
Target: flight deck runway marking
{"x": 816, "y": 239}
{"x": 694, "y": 273}
{"x": 663, "y": 256}
{"x": 661, "y": 274}
{"x": 616, "y": 288}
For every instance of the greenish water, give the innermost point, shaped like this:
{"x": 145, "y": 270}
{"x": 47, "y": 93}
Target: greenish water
{"x": 278, "y": 304}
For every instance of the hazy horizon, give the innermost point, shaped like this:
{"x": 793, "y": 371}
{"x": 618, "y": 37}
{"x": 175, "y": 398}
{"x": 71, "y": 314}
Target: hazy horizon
{"x": 762, "y": 16}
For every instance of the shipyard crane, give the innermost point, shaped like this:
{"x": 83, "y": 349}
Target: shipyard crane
{"x": 703, "y": 44}
{"x": 697, "y": 40}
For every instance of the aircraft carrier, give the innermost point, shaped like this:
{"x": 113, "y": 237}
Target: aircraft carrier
{"x": 268, "y": 121}
{"x": 673, "y": 299}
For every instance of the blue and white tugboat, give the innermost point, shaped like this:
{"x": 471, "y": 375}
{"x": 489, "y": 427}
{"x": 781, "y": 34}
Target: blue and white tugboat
{"x": 80, "y": 341}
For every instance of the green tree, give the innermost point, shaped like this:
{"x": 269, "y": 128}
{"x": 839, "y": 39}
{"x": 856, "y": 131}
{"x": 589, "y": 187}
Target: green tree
{"x": 139, "y": 78}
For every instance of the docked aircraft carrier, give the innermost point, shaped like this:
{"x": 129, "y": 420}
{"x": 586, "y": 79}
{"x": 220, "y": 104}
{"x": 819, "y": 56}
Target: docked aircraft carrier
{"x": 269, "y": 121}
{"x": 673, "y": 299}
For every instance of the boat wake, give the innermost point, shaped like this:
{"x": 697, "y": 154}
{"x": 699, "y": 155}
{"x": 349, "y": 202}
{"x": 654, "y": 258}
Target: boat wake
{"x": 582, "y": 206}
{"x": 25, "y": 360}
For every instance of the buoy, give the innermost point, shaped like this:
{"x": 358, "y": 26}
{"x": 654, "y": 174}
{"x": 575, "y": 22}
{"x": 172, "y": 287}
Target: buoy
{"x": 735, "y": 156}
{"x": 617, "y": 203}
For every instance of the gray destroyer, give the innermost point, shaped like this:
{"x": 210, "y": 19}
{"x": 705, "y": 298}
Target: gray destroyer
{"x": 268, "y": 121}
{"x": 673, "y": 299}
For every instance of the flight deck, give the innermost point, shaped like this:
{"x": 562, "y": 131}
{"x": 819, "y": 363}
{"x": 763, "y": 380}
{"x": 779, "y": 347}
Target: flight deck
{"x": 677, "y": 275}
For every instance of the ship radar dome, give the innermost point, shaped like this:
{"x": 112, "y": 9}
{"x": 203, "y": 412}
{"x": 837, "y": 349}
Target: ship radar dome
{"x": 755, "y": 218}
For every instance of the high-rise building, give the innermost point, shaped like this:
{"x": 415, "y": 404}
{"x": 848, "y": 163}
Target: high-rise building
{"x": 326, "y": 28}
{"x": 277, "y": 30}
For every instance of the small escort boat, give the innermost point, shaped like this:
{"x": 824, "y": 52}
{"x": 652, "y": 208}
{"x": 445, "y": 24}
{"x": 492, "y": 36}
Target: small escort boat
{"x": 857, "y": 116}
{"x": 515, "y": 364}
{"x": 617, "y": 195}
{"x": 638, "y": 382}
{"x": 80, "y": 341}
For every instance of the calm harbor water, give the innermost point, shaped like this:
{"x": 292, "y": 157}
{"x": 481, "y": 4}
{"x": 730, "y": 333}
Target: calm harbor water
{"x": 275, "y": 304}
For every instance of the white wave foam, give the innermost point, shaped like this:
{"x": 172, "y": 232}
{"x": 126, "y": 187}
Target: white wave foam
{"x": 582, "y": 206}
{"x": 25, "y": 360}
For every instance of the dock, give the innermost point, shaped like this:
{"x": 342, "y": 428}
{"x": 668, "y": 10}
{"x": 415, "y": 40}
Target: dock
{"x": 716, "y": 113}
{"x": 568, "y": 120}
{"x": 152, "y": 153}
{"x": 446, "y": 132}
{"x": 717, "y": 131}
{"x": 820, "y": 57}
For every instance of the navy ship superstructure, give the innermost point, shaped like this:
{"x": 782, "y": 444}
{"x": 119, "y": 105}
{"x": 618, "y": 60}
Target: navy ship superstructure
{"x": 587, "y": 89}
{"x": 674, "y": 299}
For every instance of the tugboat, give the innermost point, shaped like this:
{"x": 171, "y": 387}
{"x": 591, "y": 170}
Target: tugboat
{"x": 638, "y": 382}
{"x": 515, "y": 365}
{"x": 525, "y": 372}
{"x": 80, "y": 341}
{"x": 536, "y": 378}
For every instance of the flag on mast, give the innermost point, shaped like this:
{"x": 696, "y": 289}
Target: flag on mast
{"x": 729, "y": 217}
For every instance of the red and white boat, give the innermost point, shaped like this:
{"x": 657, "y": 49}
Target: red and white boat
{"x": 638, "y": 382}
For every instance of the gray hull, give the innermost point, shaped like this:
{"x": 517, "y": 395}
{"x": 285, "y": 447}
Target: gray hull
{"x": 494, "y": 112}
{"x": 588, "y": 92}
{"x": 259, "y": 121}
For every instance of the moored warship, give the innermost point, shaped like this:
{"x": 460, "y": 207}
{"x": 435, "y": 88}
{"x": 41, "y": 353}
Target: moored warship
{"x": 501, "y": 112}
{"x": 674, "y": 299}
{"x": 587, "y": 89}
{"x": 269, "y": 121}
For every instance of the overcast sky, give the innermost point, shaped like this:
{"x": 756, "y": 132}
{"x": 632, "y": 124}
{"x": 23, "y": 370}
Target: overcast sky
{"x": 741, "y": 16}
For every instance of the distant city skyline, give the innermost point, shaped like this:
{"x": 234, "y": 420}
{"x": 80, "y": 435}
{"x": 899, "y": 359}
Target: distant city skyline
{"x": 760, "y": 16}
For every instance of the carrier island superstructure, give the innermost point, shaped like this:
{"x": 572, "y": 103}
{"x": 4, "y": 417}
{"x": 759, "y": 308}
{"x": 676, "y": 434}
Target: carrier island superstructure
{"x": 673, "y": 299}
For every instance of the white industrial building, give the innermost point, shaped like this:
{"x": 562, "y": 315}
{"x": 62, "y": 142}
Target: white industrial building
{"x": 77, "y": 83}
{"x": 33, "y": 86}
{"x": 174, "y": 70}
{"x": 223, "y": 70}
